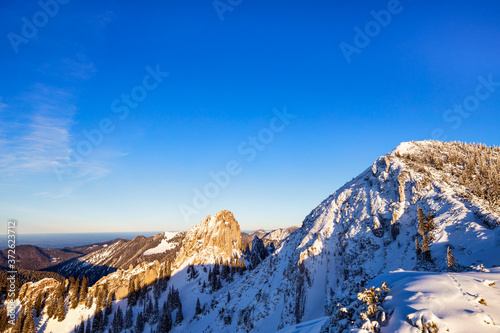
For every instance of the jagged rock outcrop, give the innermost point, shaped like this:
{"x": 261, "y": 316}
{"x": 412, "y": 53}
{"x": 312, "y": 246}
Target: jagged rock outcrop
{"x": 216, "y": 237}
{"x": 29, "y": 291}
{"x": 259, "y": 251}
{"x": 143, "y": 274}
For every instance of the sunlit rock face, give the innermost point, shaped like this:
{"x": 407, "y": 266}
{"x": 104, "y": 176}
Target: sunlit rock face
{"x": 217, "y": 237}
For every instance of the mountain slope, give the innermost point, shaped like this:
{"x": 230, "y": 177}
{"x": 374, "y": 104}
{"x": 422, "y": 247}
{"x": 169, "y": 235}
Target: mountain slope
{"x": 216, "y": 239}
{"x": 367, "y": 228}
{"x": 354, "y": 239}
{"x": 34, "y": 258}
{"x": 278, "y": 235}
{"x": 122, "y": 254}
{"x": 459, "y": 302}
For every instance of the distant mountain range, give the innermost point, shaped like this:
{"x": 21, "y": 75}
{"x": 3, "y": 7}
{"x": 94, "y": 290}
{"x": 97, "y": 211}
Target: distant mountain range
{"x": 95, "y": 261}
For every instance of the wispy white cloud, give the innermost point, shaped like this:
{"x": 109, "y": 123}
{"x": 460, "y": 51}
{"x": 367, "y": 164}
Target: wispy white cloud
{"x": 36, "y": 135}
{"x": 36, "y": 132}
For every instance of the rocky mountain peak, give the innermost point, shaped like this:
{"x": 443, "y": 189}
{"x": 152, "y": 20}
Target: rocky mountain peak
{"x": 216, "y": 237}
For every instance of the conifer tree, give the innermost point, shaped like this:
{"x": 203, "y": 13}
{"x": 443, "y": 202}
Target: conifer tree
{"x": 74, "y": 297}
{"x": 61, "y": 306}
{"x": 132, "y": 297}
{"x": 114, "y": 324}
{"x": 430, "y": 222}
{"x": 139, "y": 323}
{"x": 421, "y": 221}
{"x": 109, "y": 305}
{"x": 451, "y": 261}
{"x": 101, "y": 299}
{"x": 157, "y": 288}
{"x": 97, "y": 323}
{"x": 18, "y": 325}
{"x": 138, "y": 290}
{"x": 84, "y": 289}
{"x": 117, "y": 323}
{"x": 197, "y": 310}
{"x": 430, "y": 227}
{"x": 216, "y": 270}
{"x": 71, "y": 282}
{"x": 39, "y": 304}
{"x": 194, "y": 273}
{"x": 148, "y": 310}
{"x": 51, "y": 306}
{"x": 156, "y": 313}
{"x": 88, "y": 328}
{"x": 165, "y": 324}
{"x": 426, "y": 252}
{"x": 29, "y": 322}
{"x": 179, "y": 317}
{"x": 129, "y": 317}
{"x": 105, "y": 320}
{"x": 89, "y": 301}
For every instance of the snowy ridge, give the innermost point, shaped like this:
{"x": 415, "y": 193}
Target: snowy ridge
{"x": 363, "y": 235}
{"x": 278, "y": 235}
{"x": 165, "y": 245}
{"x": 122, "y": 254}
{"x": 366, "y": 228}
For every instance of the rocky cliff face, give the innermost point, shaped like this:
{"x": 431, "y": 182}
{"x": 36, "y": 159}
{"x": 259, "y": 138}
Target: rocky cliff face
{"x": 29, "y": 291}
{"x": 143, "y": 274}
{"x": 216, "y": 237}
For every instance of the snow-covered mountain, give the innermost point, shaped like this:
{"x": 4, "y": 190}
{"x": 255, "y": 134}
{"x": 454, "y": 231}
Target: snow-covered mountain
{"x": 278, "y": 235}
{"x": 258, "y": 232}
{"x": 122, "y": 254}
{"x": 275, "y": 236}
{"x": 368, "y": 228}
{"x": 420, "y": 226}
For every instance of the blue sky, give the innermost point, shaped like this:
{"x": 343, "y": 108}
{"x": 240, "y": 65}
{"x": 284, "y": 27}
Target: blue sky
{"x": 231, "y": 66}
